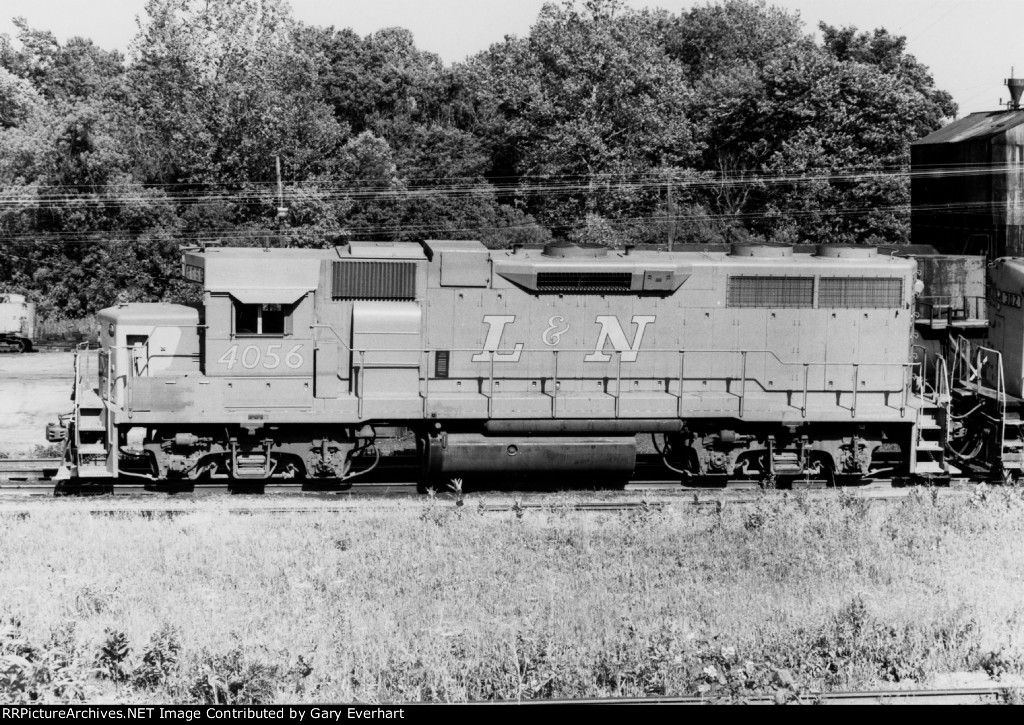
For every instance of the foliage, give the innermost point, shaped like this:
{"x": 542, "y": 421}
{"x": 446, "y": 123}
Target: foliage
{"x": 233, "y": 679}
{"x": 787, "y": 595}
{"x": 603, "y": 124}
{"x": 111, "y": 660}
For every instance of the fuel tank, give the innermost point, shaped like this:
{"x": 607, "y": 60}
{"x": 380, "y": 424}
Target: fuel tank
{"x": 468, "y": 453}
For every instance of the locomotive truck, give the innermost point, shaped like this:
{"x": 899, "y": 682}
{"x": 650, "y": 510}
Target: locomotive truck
{"x": 17, "y": 323}
{"x": 758, "y": 363}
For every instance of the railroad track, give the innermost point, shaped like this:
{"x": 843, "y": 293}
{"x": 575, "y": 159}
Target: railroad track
{"x": 943, "y": 696}
{"x": 28, "y": 469}
{"x": 649, "y": 472}
{"x": 360, "y": 499}
{"x": 31, "y": 478}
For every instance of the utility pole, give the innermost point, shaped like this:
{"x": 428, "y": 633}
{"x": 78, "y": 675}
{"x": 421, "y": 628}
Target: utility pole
{"x": 282, "y": 210}
{"x": 671, "y": 212}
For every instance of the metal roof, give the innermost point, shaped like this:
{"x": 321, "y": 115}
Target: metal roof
{"x": 976, "y": 126}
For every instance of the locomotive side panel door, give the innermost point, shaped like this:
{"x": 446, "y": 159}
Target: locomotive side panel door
{"x": 784, "y": 339}
{"x": 751, "y": 337}
{"x": 842, "y": 340}
{"x": 387, "y": 354}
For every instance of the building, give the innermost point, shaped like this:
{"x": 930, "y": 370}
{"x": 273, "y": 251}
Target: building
{"x": 966, "y": 183}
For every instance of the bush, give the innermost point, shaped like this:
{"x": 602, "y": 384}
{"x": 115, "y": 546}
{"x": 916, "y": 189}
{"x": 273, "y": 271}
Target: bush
{"x": 233, "y": 679}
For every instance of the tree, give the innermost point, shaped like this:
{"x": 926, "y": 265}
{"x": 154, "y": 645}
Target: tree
{"x": 222, "y": 87}
{"x": 785, "y": 121}
{"x": 592, "y": 101}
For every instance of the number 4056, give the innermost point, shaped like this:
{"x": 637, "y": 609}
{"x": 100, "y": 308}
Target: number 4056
{"x": 252, "y": 357}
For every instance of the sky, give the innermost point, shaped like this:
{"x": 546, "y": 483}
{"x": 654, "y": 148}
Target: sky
{"x": 969, "y": 45}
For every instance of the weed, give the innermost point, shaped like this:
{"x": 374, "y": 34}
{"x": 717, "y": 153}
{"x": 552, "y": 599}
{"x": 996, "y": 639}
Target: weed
{"x": 852, "y": 503}
{"x": 754, "y": 520}
{"x": 298, "y": 673}
{"x": 90, "y": 601}
{"x": 111, "y": 660}
{"x": 456, "y": 488}
{"x": 159, "y": 660}
{"x": 233, "y": 679}
{"x": 999, "y": 663}
{"x": 50, "y": 451}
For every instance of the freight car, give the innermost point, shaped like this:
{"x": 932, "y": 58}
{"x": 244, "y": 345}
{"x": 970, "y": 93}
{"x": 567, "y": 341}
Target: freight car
{"x": 756, "y": 362}
{"x": 17, "y": 323}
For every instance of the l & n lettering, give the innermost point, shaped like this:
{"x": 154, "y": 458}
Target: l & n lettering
{"x": 611, "y": 334}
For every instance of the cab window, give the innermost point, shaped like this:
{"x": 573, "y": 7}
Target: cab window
{"x": 260, "y": 319}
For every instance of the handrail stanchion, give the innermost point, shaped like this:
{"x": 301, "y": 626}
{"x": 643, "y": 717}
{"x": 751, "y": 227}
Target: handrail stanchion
{"x": 490, "y": 392}
{"x": 426, "y": 380}
{"x": 803, "y": 407}
{"x": 360, "y": 383}
{"x": 743, "y": 382}
{"x": 856, "y": 380}
{"x": 682, "y": 369}
{"x": 554, "y": 387}
{"x": 978, "y": 369}
{"x": 908, "y": 375}
{"x": 618, "y": 381}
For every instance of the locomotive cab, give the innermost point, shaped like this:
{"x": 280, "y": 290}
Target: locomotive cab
{"x": 145, "y": 340}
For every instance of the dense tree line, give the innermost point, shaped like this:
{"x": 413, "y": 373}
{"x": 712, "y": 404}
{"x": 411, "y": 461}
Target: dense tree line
{"x": 603, "y": 124}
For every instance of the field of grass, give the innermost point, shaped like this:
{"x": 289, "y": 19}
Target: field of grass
{"x": 433, "y": 602}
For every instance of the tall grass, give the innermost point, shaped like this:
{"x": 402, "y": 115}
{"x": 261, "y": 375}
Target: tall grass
{"x": 449, "y": 603}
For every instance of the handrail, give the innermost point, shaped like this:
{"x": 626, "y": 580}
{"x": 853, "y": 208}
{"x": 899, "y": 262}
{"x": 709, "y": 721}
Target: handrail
{"x": 941, "y": 386}
{"x": 945, "y": 307}
{"x": 942, "y": 395}
{"x": 423, "y": 376}
{"x": 494, "y": 357}
{"x": 1000, "y": 390}
{"x": 344, "y": 344}
{"x": 493, "y": 380}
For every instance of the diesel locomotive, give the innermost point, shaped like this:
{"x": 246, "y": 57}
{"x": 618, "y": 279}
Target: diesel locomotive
{"x": 17, "y": 323}
{"x": 756, "y": 362}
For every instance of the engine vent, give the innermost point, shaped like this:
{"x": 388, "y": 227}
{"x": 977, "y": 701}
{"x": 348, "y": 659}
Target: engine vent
{"x": 373, "y": 280}
{"x": 761, "y": 291}
{"x": 442, "y": 359}
{"x": 860, "y": 292}
{"x": 584, "y": 281}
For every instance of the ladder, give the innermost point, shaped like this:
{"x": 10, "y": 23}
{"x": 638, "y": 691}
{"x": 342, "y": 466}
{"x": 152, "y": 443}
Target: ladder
{"x": 931, "y": 432}
{"x": 90, "y": 451}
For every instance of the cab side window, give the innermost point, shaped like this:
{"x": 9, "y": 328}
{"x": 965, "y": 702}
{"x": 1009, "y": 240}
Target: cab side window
{"x": 261, "y": 319}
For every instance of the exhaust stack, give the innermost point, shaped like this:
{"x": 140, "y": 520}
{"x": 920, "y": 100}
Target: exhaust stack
{"x": 1016, "y": 86}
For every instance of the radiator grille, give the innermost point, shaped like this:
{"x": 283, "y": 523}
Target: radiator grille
{"x": 584, "y": 281}
{"x": 372, "y": 280}
{"x": 441, "y": 358}
{"x": 860, "y": 292}
{"x": 758, "y": 291}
